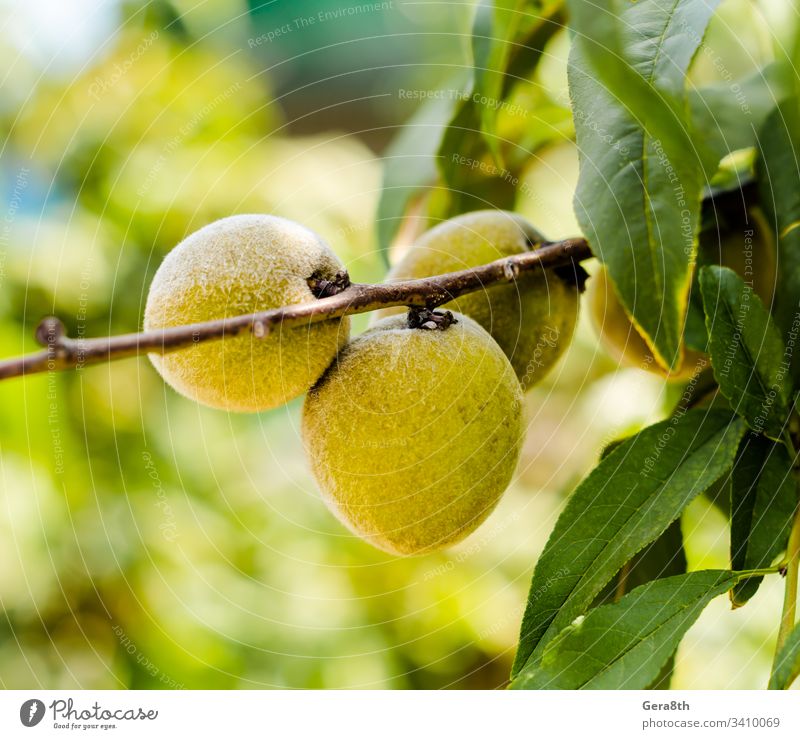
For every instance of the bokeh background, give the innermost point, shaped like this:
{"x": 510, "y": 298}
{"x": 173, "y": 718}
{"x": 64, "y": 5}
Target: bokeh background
{"x": 147, "y": 542}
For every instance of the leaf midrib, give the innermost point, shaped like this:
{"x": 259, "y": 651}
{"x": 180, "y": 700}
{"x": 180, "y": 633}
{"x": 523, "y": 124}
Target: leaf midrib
{"x": 634, "y": 512}
{"x": 746, "y": 350}
{"x": 649, "y": 634}
{"x": 648, "y": 225}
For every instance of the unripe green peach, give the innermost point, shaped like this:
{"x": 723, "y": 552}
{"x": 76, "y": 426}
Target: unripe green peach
{"x": 237, "y": 265}
{"x": 532, "y": 319}
{"x": 413, "y": 434}
{"x": 620, "y": 337}
{"x": 746, "y": 246}
{"x": 746, "y": 250}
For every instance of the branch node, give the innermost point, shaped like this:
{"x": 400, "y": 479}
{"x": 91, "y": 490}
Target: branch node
{"x": 430, "y": 320}
{"x": 50, "y": 332}
{"x": 511, "y": 271}
{"x": 260, "y": 329}
{"x": 324, "y": 288}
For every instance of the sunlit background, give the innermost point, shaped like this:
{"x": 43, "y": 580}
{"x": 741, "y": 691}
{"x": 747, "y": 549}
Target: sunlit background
{"x": 148, "y": 542}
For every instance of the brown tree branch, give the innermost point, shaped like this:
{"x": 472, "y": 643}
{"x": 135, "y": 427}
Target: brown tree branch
{"x": 62, "y": 352}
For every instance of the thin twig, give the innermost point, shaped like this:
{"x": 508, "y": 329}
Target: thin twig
{"x": 63, "y": 353}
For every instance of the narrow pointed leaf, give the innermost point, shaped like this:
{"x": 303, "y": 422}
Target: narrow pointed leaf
{"x": 665, "y": 557}
{"x": 513, "y": 32}
{"x": 625, "y": 503}
{"x": 778, "y": 171}
{"x": 787, "y": 662}
{"x": 641, "y": 171}
{"x": 506, "y": 32}
{"x": 747, "y": 352}
{"x": 624, "y": 646}
{"x": 729, "y": 116}
{"x": 762, "y": 505}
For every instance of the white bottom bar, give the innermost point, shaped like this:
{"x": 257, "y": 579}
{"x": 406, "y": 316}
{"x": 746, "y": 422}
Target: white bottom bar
{"x": 401, "y": 715}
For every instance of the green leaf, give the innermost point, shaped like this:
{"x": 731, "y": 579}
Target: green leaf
{"x": 410, "y": 166}
{"x": 506, "y": 32}
{"x": 778, "y": 171}
{"x": 641, "y": 173}
{"x": 625, "y": 503}
{"x": 730, "y": 114}
{"x": 747, "y": 352}
{"x": 472, "y": 168}
{"x": 665, "y": 557}
{"x": 625, "y": 645}
{"x": 786, "y": 668}
{"x": 662, "y": 558}
{"x": 763, "y": 496}
{"x": 472, "y": 182}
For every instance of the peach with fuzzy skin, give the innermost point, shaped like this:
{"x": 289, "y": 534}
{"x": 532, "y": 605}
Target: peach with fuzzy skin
{"x": 237, "y": 265}
{"x": 532, "y": 319}
{"x": 754, "y": 261}
{"x": 620, "y": 337}
{"x": 413, "y": 434}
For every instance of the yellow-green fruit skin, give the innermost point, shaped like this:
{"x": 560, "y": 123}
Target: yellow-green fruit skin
{"x": 237, "y": 265}
{"x": 413, "y": 435}
{"x": 621, "y": 339}
{"x": 532, "y": 319}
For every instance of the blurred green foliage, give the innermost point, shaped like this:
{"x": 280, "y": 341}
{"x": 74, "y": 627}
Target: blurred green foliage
{"x": 147, "y": 542}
